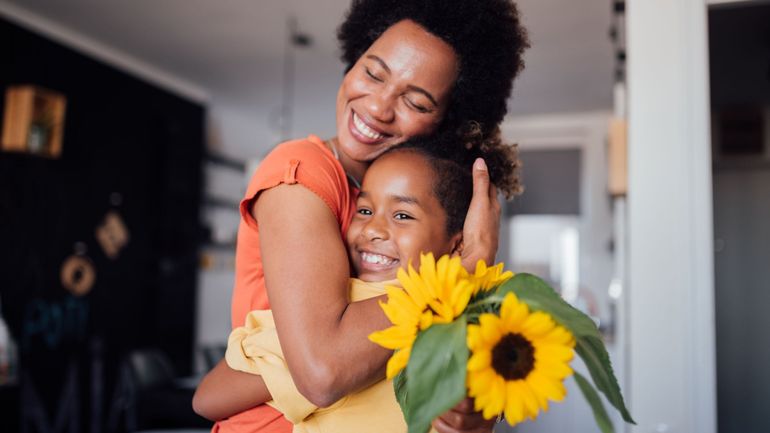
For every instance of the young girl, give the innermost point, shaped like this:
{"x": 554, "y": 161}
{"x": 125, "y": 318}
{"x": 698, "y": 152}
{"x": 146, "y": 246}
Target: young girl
{"x": 411, "y": 202}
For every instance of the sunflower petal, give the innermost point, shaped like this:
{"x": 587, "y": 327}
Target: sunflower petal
{"x": 496, "y": 402}
{"x": 397, "y": 362}
{"x": 479, "y": 360}
{"x": 395, "y": 337}
{"x": 398, "y": 316}
{"x": 553, "y": 369}
{"x": 490, "y": 328}
{"x": 426, "y": 320}
{"x": 413, "y": 288}
{"x": 554, "y": 352}
{"x": 529, "y": 401}
{"x": 552, "y": 389}
{"x": 514, "y": 404}
{"x": 473, "y": 337}
{"x": 537, "y": 324}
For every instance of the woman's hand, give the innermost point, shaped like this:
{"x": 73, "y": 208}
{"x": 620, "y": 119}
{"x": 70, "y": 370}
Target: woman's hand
{"x": 463, "y": 419}
{"x": 481, "y": 231}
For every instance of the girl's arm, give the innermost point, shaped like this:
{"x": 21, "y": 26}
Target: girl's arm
{"x": 224, "y": 392}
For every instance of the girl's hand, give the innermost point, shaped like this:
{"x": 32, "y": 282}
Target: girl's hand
{"x": 463, "y": 419}
{"x": 481, "y": 231}
{"x": 224, "y": 392}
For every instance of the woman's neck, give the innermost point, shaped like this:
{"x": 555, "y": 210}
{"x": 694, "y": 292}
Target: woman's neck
{"x": 353, "y": 168}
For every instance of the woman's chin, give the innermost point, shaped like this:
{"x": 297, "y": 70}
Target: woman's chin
{"x": 361, "y": 152}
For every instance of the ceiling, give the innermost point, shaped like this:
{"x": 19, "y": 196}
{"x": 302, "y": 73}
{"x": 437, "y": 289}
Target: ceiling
{"x": 234, "y": 48}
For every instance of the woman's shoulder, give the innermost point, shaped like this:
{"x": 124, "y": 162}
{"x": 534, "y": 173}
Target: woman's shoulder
{"x": 304, "y": 160}
{"x": 307, "y": 162}
{"x": 311, "y": 148}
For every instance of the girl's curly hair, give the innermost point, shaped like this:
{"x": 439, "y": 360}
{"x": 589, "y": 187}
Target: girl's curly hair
{"x": 452, "y": 160}
{"x": 486, "y": 35}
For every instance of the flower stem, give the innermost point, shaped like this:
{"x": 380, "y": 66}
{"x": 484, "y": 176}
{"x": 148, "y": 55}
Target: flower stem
{"x": 490, "y": 300}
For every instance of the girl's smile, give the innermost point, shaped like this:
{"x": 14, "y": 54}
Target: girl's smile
{"x": 398, "y": 217}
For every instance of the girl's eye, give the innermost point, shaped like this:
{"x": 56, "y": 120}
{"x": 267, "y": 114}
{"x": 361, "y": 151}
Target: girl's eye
{"x": 402, "y": 216}
{"x": 364, "y": 211}
{"x": 417, "y": 107}
{"x": 372, "y": 76}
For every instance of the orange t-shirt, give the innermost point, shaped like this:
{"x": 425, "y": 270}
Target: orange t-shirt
{"x": 311, "y": 164}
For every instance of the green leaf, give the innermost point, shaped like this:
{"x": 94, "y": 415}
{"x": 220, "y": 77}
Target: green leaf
{"x": 593, "y": 399}
{"x": 435, "y": 374}
{"x": 399, "y": 387}
{"x": 588, "y": 341}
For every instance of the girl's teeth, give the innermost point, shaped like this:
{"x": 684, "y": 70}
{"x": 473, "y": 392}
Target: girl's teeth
{"x": 365, "y": 130}
{"x": 377, "y": 259}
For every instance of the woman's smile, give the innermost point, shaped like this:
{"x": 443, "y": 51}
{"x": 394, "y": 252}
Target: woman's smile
{"x": 365, "y": 132}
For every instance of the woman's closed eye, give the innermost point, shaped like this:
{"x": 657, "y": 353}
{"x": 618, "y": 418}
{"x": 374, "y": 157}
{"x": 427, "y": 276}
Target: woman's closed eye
{"x": 417, "y": 107}
{"x": 371, "y": 75}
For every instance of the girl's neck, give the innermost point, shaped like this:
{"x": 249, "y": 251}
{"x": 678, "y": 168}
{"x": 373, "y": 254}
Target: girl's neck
{"x": 354, "y": 169}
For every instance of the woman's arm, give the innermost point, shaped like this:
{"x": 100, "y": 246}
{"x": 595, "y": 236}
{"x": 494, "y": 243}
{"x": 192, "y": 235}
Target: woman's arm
{"x": 298, "y": 232}
{"x": 322, "y": 334}
{"x": 224, "y": 392}
{"x": 481, "y": 231}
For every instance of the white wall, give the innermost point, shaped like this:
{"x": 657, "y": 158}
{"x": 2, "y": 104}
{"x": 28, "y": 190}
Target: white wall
{"x": 670, "y": 283}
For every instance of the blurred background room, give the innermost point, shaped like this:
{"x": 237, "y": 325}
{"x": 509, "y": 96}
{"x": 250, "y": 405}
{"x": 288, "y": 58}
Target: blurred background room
{"x": 130, "y": 130}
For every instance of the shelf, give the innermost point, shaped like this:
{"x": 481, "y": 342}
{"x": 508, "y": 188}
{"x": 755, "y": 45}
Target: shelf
{"x": 33, "y": 121}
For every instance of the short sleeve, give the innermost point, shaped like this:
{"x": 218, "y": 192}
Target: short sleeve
{"x": 254, "y": 348}
{"x": 308, "y": 163}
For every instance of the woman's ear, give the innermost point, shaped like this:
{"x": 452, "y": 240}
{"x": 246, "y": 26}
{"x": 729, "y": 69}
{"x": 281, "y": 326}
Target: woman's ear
{"x": 457, "y": 244}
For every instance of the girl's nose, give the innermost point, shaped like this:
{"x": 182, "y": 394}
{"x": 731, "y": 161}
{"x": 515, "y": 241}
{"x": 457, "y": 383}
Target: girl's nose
{"x": 375, "y": 230}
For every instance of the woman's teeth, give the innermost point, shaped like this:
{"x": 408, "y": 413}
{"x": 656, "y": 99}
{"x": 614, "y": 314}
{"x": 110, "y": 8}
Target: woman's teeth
{"x": 377, "y": 259}
{"x": 365, "y": 130}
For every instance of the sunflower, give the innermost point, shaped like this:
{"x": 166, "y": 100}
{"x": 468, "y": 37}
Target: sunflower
{"x": 488, "y": 277}
{"x": 518, "y": 361}
{"x": 437, "y": 294}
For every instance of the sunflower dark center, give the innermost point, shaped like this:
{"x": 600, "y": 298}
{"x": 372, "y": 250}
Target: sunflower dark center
{"x": 513, "y": 357}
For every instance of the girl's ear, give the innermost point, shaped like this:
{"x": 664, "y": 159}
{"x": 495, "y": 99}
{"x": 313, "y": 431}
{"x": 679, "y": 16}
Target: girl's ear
{"x": 457, "y": 244}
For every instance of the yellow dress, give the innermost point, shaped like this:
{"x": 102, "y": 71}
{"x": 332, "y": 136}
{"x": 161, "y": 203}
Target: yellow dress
{"x": 254, "y": 348}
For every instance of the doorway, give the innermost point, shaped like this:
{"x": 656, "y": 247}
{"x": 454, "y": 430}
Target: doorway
{"x": 739, "y": 51}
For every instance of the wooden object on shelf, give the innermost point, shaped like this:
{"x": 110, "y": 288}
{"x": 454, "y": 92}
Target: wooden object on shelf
{"x": 33, "y": 121}
{"x": 617, "y": 157}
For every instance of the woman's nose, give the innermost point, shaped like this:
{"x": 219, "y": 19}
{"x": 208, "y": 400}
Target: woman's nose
{"x": 380, "y": 106}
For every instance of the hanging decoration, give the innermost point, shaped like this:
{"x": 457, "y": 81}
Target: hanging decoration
{"x": 112, "y": 234}
{"x": 78, "y": 274}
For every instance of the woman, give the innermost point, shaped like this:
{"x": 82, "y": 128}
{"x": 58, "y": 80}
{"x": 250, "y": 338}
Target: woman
{"x": 415, "y": 68}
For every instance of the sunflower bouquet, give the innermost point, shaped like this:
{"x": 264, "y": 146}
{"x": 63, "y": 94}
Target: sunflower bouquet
{"x": 506, "y": 340}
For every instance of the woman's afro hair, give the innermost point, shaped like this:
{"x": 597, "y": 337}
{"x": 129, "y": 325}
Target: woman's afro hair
{"x": 486, "y": 35}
